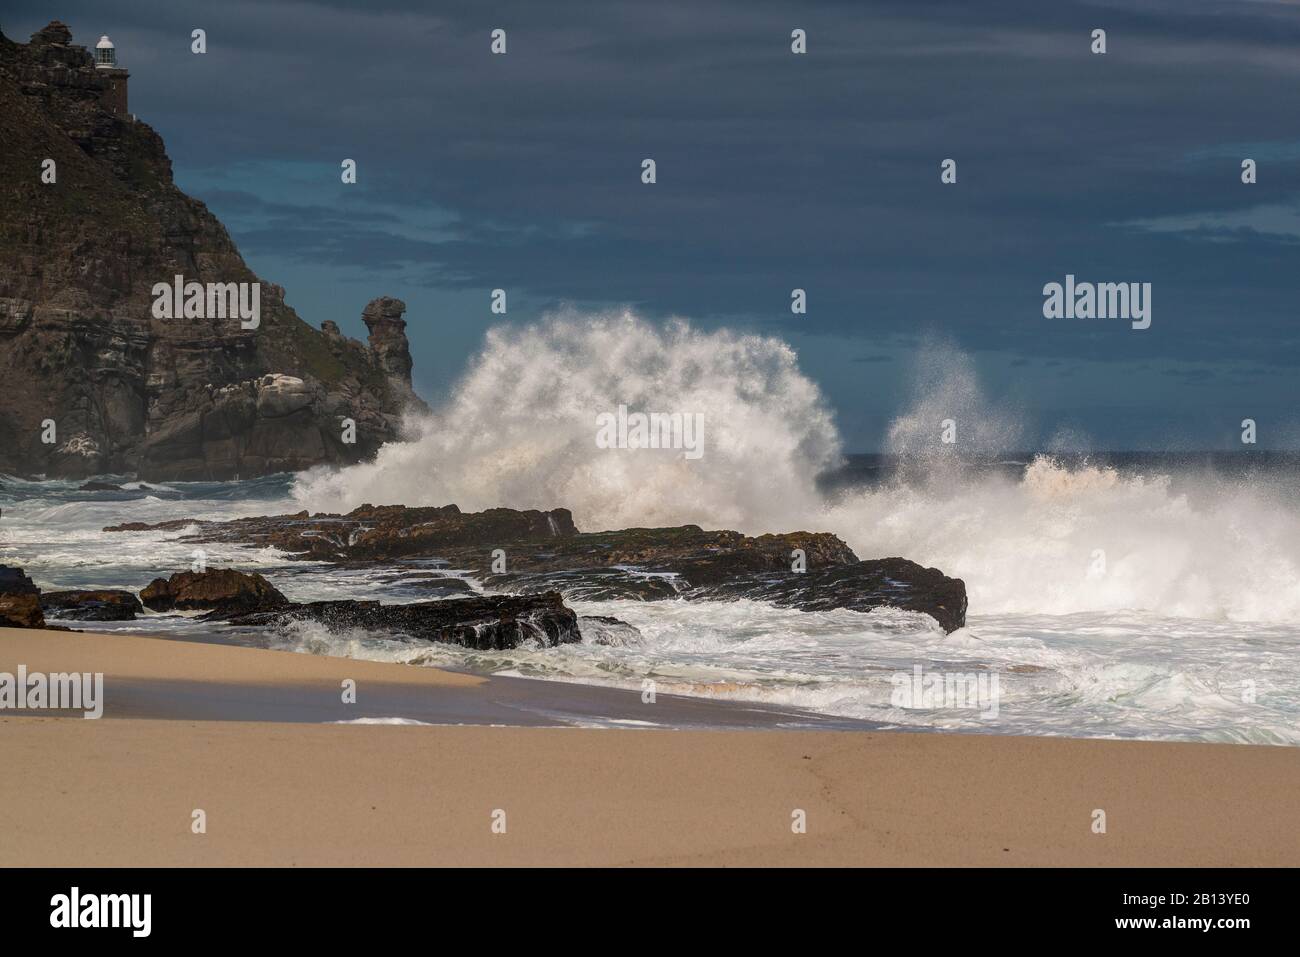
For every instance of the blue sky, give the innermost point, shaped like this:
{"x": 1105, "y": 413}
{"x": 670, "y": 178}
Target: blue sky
{"x": 775, "y": 171}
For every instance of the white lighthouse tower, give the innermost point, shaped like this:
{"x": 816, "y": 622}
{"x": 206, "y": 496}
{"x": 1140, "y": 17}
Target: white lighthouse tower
{"x": 114, "y": 96}
{"x": 105, "y": 53}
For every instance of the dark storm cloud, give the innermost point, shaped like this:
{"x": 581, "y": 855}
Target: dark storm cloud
{"x": 775, "y": 171}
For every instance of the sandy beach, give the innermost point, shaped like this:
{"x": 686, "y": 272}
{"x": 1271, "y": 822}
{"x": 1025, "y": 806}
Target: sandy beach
{"x": 122, "y": 790}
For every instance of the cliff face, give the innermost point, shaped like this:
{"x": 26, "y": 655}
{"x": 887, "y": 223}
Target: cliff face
{"x": 80, "y": 345}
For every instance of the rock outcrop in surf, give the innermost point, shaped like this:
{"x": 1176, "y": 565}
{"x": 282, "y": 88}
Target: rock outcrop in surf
{"x": 220, "y": 590}
{"x": 92, "y": 381}
{"x": 105, "y": 604}
{"x": 20, "y": 600}
{"x": 507, "y": 550}
{"x": 484, "y": 622}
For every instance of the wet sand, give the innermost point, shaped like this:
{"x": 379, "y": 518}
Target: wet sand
{"x": 163, "y": 678}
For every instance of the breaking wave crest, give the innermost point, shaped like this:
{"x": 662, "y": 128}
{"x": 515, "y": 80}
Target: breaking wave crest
{"x": 520, "y": 430}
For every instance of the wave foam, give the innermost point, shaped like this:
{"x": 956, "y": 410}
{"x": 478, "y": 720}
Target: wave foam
{"x": 1067, "y": 539}
{"x": 520, "y": 430}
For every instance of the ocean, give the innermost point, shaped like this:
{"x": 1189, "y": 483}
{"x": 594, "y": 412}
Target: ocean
{"x": 1133, "y": 595}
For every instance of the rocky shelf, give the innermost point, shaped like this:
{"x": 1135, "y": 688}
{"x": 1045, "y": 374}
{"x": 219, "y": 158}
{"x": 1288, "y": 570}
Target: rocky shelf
{"x": 507, "y": 550}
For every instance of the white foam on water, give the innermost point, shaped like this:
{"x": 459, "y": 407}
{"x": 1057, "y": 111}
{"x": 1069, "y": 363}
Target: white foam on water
{"x": 1064, "y": 539}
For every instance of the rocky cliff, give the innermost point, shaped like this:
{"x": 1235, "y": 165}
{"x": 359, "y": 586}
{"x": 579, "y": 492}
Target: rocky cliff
{"x": 91, "y": 379}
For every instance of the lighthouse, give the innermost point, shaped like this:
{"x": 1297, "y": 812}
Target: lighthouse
{"x": 113, "y": 98}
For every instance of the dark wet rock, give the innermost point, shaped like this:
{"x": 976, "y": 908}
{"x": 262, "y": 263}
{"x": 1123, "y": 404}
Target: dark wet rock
{"x": 369, "y": 533}
{"x": 223, "y": 591}
{"x": 855, "y": 586}
{"x": 109, "y": 604}
{"x": 483, "y": 622}
{"x": 14, "y": 580}
{"x": 100, "y": 487}
{"x": 861, "y": 586}
{"x": 544, "y": 551}
{"x": 20, "y": 600}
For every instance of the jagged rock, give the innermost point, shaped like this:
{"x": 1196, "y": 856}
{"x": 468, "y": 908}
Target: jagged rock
{"x": 130, "y": 393}
{"x": 544, "y": 551}
{"x": 55, "y": 32}
{"x": 370, "y": 533}
{"x": 484, "y": 622}
{"x": 99, "y": 487}
{"x": 859, "y": 586}
{"x": 20, "y": 600}
{"x": 109, "y": 604}
{"x": 383, "y": 319}
{"x": 223, "y": 591}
